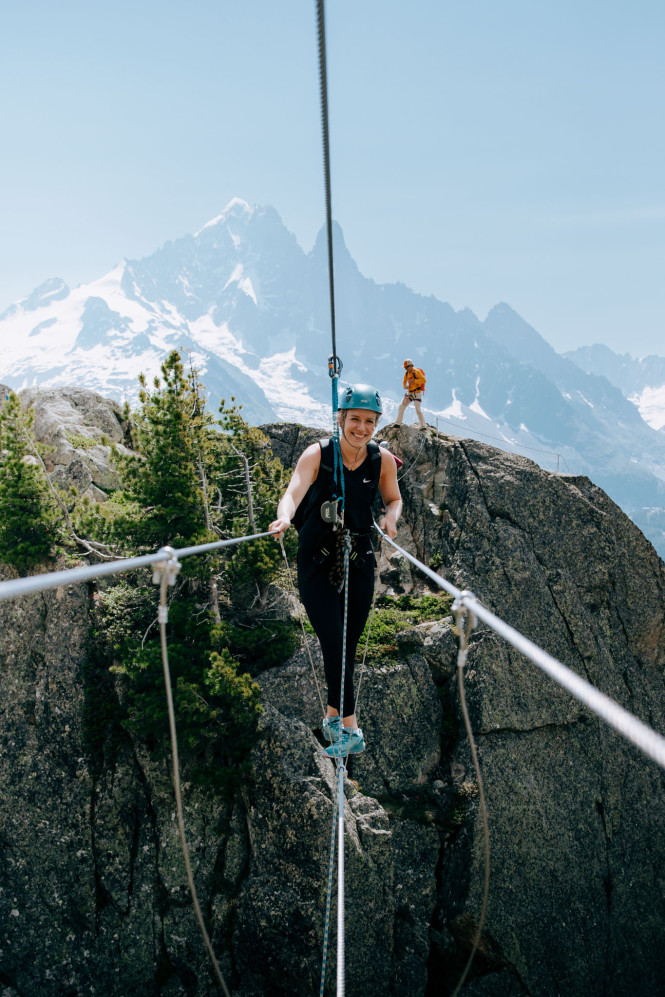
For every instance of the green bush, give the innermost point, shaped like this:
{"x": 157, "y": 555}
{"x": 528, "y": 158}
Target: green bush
{"x": 393, "y": 614}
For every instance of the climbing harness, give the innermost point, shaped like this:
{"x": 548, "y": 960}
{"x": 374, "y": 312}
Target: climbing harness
{"x": 329, "y": 509}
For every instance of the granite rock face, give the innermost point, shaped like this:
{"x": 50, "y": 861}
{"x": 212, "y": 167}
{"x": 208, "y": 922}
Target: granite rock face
{"x": 577, "y": 816}
{"x": 79, "y": 428}
{"x": 93, "y": 893}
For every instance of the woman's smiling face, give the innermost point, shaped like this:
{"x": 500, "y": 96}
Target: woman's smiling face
{"x": 358, "y": 425}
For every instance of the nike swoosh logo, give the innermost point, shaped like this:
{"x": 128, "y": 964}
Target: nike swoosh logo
{"x": 367, "y": 481}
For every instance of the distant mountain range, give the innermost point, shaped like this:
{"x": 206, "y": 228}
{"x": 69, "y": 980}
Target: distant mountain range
{"x": 251, "y": 308}
{"x": 642, "y": 381}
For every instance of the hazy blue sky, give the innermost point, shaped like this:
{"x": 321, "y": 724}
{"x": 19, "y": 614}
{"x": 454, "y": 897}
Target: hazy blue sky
{"x": 482, "y": 151}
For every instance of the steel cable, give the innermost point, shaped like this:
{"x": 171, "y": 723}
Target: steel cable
{"x": 338, "y": 813}
{"x": 634, "y": 730}
{"x": 323, "y": 85}
{"x": 166, "y": 572}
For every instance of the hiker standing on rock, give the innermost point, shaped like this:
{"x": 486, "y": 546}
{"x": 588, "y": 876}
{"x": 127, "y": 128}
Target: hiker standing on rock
{"x": 414, "y": 383}
{"x": 307, "y": 503}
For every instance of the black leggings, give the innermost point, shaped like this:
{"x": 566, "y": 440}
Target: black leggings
{"x": 325, "y": 609}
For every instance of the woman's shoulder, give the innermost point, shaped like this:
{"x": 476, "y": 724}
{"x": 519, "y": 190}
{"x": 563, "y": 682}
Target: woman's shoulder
{"x": 310, "y": 460}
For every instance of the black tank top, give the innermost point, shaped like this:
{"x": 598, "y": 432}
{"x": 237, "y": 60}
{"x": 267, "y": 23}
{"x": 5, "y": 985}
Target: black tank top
{"x": 317, "y": 539}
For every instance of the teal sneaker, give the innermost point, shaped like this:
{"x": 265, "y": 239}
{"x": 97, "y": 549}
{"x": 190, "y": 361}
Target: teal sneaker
{"x": 331, "y": 727}
{"x": 351, "y": 743}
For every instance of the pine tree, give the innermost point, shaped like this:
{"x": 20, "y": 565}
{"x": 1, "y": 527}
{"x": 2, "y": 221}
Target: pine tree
{"x": 164, "y": 481}
{"x": 27, "y": 517}
{"x": 251, "y": 481}
{"x": 183, "y": 459}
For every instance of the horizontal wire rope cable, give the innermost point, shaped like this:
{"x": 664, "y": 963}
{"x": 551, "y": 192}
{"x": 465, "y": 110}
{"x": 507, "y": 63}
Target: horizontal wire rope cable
{"x": 501, "y": 439}
{"x": 165, "y": 563}
{"x": 13, "y": 587}
{"x": 638, "y": 733}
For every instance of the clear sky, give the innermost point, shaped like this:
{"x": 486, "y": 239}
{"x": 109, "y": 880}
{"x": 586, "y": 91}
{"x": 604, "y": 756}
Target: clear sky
{"x": 482, "y": 151}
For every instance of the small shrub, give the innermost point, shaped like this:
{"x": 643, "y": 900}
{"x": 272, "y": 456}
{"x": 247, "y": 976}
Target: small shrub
{"x": 393, "y": 614}
{"x": 81, "y": 442}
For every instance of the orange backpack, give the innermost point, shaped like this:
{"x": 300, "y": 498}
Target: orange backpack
{"x": 418, "y": 379}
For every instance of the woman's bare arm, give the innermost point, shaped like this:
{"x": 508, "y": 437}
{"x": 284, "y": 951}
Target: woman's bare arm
{"x": 304, "y": 474}
{"x": 390, "y": 493}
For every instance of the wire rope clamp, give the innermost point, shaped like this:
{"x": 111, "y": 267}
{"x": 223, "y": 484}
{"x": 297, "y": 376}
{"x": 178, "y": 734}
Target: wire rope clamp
{"x": 169, "y": 567}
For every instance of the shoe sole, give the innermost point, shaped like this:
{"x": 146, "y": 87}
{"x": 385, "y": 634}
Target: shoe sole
{"x": 344, "y": 753}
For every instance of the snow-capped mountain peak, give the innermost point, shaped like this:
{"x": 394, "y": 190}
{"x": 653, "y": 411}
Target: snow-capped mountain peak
{"x": 234, "y": 210}
{"x": 252, "y": 309}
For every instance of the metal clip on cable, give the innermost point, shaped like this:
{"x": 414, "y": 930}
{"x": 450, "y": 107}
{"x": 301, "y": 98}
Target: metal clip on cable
{"x": 463, "y": 613}
{"x": 164, "y": 574}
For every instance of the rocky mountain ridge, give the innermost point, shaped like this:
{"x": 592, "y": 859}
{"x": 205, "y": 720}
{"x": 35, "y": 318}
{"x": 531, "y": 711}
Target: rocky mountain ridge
{"x": 93, "y": 896}
{"x": 641, "y": 380}
{"x": 251, "y": 307}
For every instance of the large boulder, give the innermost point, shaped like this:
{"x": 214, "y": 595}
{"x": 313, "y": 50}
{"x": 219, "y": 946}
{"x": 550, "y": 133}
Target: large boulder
{"x": 576, "y": 815}
{"x": 79, "y": 428}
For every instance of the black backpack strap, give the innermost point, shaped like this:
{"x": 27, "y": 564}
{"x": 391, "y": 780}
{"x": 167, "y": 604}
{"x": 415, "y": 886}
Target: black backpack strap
{"x": 327, "y": 454}
{"x": 374, "y": 451}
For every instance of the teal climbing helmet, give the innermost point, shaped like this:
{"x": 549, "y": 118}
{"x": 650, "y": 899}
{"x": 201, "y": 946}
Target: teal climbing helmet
{"x": 361, "y": 396}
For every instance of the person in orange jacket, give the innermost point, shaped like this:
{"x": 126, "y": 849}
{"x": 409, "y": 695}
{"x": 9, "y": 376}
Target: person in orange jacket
{"x": 414, "y": 384}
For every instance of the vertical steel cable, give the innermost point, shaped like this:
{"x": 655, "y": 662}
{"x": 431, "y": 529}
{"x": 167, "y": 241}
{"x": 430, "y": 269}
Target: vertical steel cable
{"x": 331, "y": 866}
{"x": 163, "y": 617}
{"x": 334, "y": 363}
{"x": 323, "y": 84}
{"x": 340, "y": 784}
{"x": 338, "y": 813}
{"x": 465, "y": 620}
